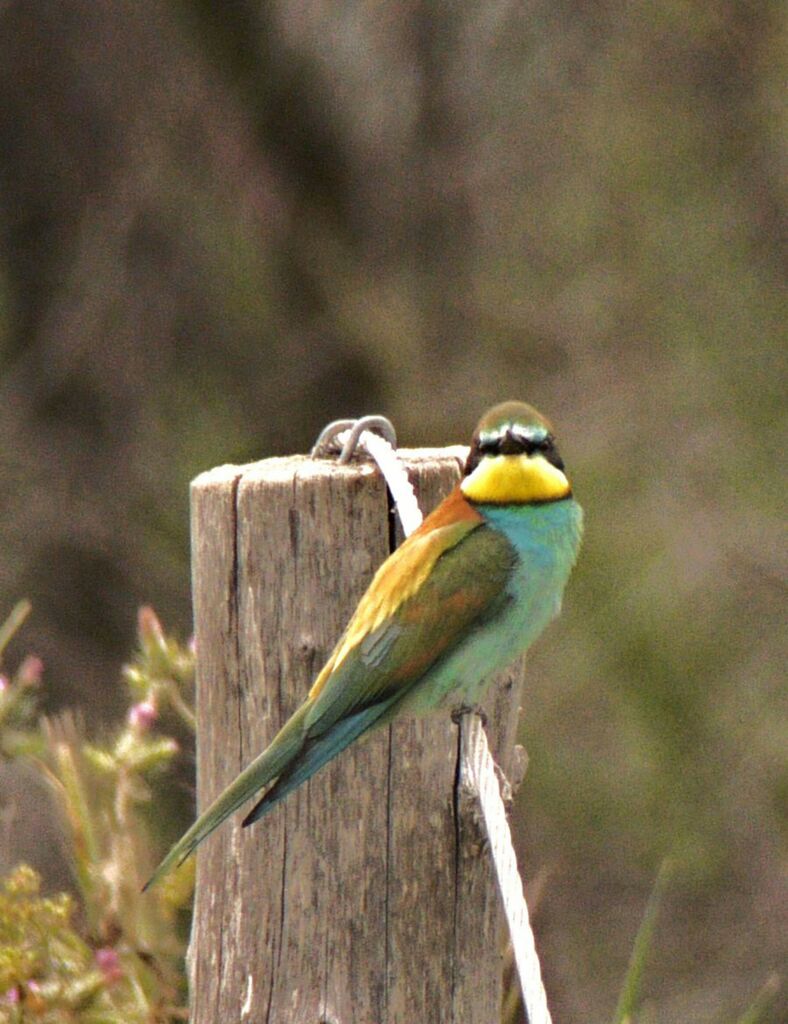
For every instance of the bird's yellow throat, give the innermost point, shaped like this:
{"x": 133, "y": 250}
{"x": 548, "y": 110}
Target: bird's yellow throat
{"x": 515, "y": 479}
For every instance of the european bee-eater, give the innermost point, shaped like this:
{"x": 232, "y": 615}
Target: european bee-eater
{"x": 467, "y": 592}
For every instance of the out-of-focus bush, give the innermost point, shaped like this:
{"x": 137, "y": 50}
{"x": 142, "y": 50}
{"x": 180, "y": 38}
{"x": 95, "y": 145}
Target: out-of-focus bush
{"x": 106, "y": 954}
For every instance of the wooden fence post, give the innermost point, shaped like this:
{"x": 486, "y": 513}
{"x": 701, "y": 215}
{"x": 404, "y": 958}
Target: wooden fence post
{"x": 367, "y": 897}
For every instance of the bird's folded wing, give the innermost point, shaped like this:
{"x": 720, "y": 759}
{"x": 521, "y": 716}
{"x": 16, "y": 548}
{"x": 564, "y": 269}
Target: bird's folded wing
{"x": 440, "y": 585}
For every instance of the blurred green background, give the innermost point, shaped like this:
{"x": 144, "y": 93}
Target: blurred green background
{"x": 222, "y": 225}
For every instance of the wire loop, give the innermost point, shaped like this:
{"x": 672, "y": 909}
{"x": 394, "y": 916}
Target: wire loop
{"x": 329, "y": 441}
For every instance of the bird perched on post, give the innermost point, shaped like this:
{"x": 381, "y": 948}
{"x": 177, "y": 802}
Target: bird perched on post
{"x": 467, "y": 592}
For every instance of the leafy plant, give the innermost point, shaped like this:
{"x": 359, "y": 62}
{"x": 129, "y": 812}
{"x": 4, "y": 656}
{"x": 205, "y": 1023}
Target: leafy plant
{"x": 110, "y": 954}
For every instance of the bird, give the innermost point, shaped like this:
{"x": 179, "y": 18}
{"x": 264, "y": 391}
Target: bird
{"x": 456, "y": 602}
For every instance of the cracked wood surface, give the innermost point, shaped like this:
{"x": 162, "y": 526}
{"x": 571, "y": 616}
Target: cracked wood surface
{"x": 367, "y": 897}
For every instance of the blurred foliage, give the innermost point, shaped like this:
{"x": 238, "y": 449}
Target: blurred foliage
{"x": 109, "y": 955}
{"x": 222, "y": 226}
{"x": 19, "y": 693}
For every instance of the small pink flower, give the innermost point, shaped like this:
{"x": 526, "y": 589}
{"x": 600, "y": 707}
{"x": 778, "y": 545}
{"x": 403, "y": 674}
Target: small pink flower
{"x": 34, "y": 987}
{"x": 12, "y": 995}
{"x": 143, "y": 715}
{"x": 4, "y": 683}
{"x": 108, "y": 962}
{"x": 30, "y": 671}
{"x": 148, "y": 626}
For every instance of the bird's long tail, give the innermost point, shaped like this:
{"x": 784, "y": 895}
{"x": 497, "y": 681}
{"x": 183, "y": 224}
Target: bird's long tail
{"x": 317, "y": 751}
{"x": 285, "y": 746}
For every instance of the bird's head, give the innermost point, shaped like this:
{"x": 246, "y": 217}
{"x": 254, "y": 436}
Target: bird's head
{"x": 513, "y": 459}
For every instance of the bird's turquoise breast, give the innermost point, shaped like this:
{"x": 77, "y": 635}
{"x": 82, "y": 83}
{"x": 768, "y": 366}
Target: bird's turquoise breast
{"x": 546, "y": 539}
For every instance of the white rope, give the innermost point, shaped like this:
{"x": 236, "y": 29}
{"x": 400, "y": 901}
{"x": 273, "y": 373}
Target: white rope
{"x": 478, "y": 769}
{"x": 395, "y": 476}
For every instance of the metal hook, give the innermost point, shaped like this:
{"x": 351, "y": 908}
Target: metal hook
{"x": 326, "y": 442}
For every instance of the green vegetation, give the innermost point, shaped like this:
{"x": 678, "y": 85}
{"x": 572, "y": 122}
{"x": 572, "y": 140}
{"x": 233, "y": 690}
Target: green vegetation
{"x": 105, "y": 954}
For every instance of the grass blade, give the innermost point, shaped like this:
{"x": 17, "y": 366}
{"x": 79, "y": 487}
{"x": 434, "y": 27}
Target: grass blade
{"x": 630, "y": 989}
{"x": 19, "y": 613}
{"x": 754, "y": 1013}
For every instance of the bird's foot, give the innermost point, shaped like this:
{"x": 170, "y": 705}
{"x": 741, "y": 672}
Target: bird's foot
{"x": 468, "y": 709}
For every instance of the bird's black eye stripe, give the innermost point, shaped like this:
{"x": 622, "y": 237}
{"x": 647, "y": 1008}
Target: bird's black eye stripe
{"x": 489, "y": 446}
{"x": 529, "y": 445}
{"x": 511, "y": 443}
{"x": 550, "y": 452}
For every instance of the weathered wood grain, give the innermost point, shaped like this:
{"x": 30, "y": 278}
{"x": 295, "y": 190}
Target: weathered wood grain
{"x": 367, "y": 896}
